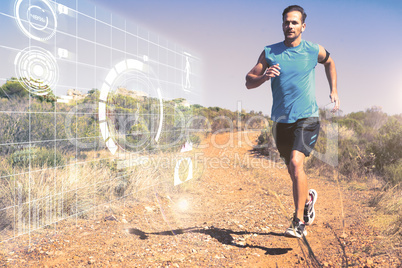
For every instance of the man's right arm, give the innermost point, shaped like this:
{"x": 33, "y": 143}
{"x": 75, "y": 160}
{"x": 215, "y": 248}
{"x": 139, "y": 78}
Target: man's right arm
{"x": 261, "y": 72}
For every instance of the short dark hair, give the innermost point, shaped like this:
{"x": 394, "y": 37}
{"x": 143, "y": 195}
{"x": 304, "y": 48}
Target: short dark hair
{"x": 294, "y": 8}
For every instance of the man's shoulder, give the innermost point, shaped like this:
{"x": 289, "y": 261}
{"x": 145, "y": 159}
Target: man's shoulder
{"x": 276, "y": 48}
{"x": 279, "y": 44}
{"x": 309, "y": 44}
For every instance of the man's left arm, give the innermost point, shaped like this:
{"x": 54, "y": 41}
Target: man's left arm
{"x": 330, "y": 70}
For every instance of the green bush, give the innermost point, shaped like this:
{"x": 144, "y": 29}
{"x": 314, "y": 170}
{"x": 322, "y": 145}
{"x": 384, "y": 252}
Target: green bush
{"x": 351, "y": 124}
{"x": 387, "y": 147}
{"x": 266, "y": 144}
{"x": 393, "y": 173}
{"x": 37, "y": 157}
{"x": 195, "y": 139}
{"x": 354, "y": 161}
{"x": 13, "y": 89}
{"x": 23, "y": 157}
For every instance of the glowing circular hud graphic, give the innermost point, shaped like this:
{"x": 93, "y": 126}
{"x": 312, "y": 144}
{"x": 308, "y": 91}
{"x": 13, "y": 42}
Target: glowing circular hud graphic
{"x": 130, "y": 107}
{"x": 37, "y": 70}
{"x": 36, "y": 19}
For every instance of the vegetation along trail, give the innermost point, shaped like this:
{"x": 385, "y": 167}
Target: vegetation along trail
{"x": 234, "y": 215}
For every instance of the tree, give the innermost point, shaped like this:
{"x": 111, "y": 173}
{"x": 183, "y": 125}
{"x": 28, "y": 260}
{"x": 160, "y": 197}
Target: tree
{"x": 12, "y": 89}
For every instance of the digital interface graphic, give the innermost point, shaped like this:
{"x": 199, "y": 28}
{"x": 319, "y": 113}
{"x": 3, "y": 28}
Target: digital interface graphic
{"x": 90, "y": 105}
{"x": 38, "y": 70}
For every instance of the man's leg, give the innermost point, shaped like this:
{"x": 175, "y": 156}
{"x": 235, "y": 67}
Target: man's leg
{"x": 299, "y": 179}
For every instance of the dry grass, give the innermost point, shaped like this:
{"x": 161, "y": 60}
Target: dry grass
{"x": 388, "y": 204}
{"x": 346, "y": 133}
{"x": 34, "y": 199}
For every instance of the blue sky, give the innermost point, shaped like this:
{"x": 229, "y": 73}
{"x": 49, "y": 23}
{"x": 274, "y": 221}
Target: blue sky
{"x": 362, "y": 36}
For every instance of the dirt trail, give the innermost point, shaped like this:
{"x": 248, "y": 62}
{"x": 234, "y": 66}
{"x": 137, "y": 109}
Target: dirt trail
{"x": 234, "y": 216}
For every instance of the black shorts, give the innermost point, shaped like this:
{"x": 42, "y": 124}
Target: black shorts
{"x": 301, "y": 136}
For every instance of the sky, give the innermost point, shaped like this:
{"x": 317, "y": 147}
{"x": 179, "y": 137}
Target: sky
{"x": 361, "y": 35}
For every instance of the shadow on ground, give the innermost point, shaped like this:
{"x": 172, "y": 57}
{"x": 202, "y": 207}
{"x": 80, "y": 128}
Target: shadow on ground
{"x": 224, "y": 236}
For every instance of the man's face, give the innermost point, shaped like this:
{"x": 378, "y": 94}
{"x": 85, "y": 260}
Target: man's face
{"x": 292, "y": 25}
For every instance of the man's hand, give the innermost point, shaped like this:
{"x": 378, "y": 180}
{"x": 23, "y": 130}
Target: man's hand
{"x": 261, "y": 72}
{"x": 272, "y": 71}
{"x": 335, "y": 99}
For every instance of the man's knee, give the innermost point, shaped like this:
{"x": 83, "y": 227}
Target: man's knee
{"x": 296, "y": 164}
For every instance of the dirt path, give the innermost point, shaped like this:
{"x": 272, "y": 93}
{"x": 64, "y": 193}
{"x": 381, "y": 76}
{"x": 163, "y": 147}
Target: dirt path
{"x": 234, "y": 216}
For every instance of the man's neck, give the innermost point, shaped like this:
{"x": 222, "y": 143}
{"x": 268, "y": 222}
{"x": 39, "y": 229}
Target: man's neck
{"x": 292, "y": 42}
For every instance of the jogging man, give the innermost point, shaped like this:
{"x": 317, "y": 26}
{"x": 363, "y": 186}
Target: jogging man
{"x": 290, "y": 67}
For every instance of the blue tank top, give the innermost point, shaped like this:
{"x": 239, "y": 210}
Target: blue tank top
{"x": 293, "y": 91}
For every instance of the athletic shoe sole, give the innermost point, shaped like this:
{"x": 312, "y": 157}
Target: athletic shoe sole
{"x": 310, "y": 216}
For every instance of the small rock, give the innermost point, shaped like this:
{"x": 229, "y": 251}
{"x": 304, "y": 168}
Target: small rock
{"x": 149, "y": 209}
{"x": 344, "y": 235}
{"x": 369, "y": 262}
{"x": 110, "y": 218}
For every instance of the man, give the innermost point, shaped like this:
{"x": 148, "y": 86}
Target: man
{"x": 290, "y": 67}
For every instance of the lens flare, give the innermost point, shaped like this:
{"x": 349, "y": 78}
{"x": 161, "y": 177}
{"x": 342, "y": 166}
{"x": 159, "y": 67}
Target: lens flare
{"x": 183, "y": 205}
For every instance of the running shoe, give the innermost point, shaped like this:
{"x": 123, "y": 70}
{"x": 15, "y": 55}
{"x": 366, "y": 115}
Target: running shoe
{"x": 297, "y": 229}
{"x": 309, "y": 212}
